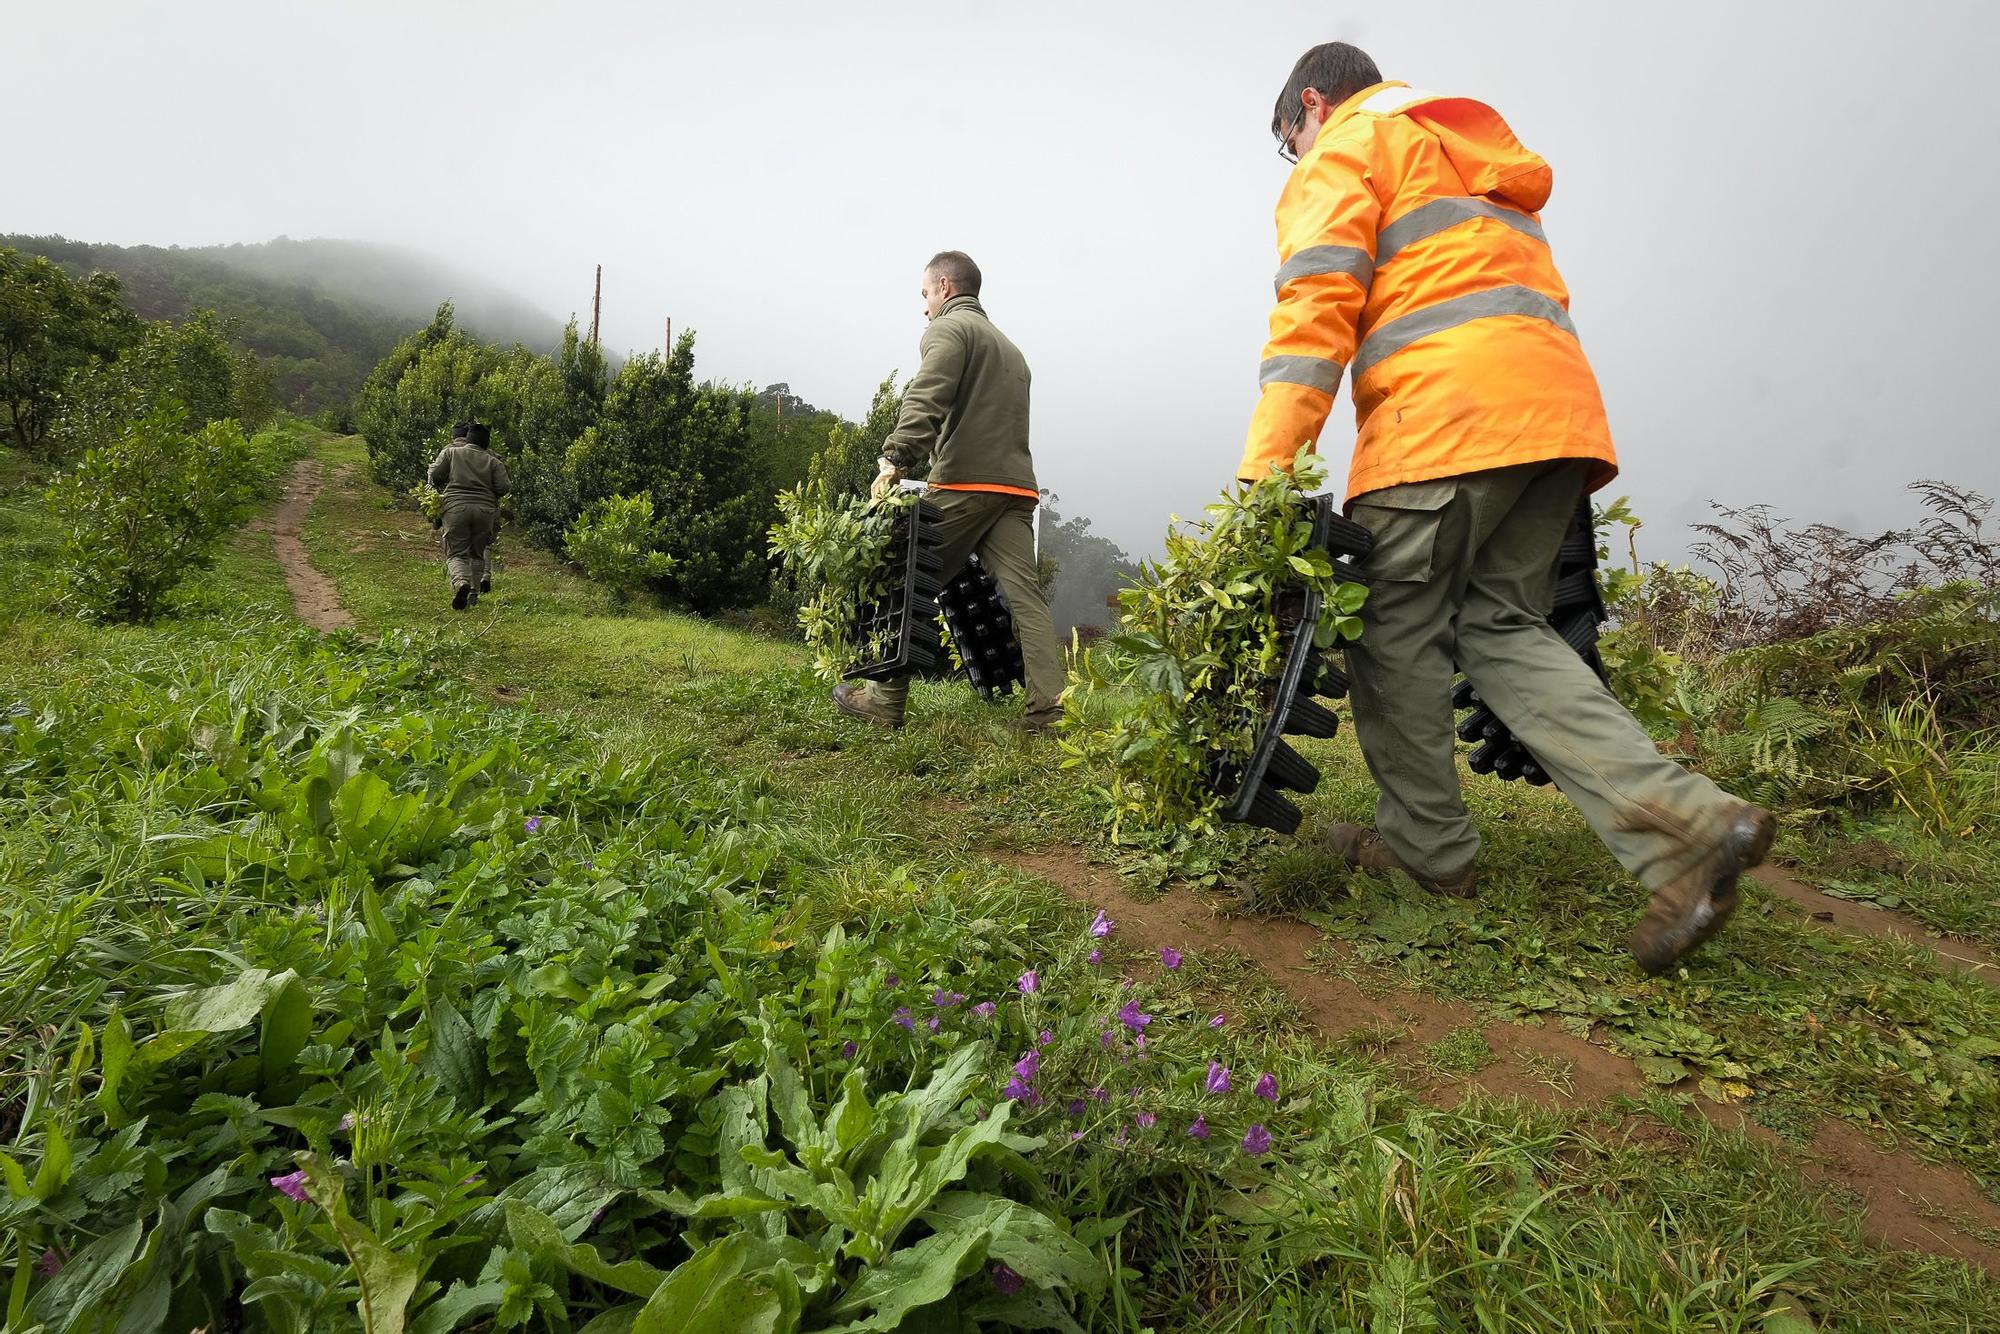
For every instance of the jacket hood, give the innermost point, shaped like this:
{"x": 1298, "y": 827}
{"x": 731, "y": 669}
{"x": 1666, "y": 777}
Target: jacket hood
{"x": 1479, "y": 144}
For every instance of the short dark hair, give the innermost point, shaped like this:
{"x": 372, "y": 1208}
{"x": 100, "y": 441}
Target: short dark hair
{"x": 1336, "y": 69}
{"x": 957, "y": 266}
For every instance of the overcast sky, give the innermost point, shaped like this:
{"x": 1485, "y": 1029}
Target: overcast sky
{"x": 1776, "y": 220}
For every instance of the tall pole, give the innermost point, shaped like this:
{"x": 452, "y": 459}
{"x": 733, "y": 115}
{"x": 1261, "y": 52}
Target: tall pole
{"x": 596, "y": 304}
{"x": 667, "y": 348}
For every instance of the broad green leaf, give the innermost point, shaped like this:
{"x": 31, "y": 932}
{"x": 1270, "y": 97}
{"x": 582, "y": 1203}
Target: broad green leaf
{"x": 533, "y": 1232}
{"x": 90, "y": 1274}
{"x": 116, "y": 1058}
{"x": 569, "y": 1195}
{"x": 287, "y": 1025}
{"x": 1661, "y": 1069}
{"x": 918, "y": 1275}
{"x": 53, "y": 1173}
{"x": 226, "y": 1008}
{"x": 729, "y": 1286}
{"x": 449, "y": 1311}
{"x": 387, "y": 1279}
{"x": 617, "y": 1320}
{"x": 1025, "y": 1240}
{"x": 454, "y": 1056}
{"x": 738, "y": 1203}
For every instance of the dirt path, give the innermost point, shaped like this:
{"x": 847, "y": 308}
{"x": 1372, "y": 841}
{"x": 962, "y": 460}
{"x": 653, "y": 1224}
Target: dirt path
{"x": 313, "y": 594}
{"x": 1905, "y": 1202}
{"x": 1864, "y": 919}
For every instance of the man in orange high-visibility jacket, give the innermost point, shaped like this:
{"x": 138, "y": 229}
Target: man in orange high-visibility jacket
{"x": 1411, "y": 255}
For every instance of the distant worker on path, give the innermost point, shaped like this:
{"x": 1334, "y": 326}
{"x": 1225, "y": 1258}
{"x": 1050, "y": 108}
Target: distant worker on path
{"x": 471, "y": 479}
{"x": 966, "y": 411}
{"x": 1411, "y": 252}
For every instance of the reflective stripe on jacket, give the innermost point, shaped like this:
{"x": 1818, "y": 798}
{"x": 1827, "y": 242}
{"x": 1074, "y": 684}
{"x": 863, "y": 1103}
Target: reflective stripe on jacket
{"x": 1411, "y": 253}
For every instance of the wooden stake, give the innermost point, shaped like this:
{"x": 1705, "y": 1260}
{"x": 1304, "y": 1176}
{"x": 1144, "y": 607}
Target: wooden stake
{"x": 597, "y": 305}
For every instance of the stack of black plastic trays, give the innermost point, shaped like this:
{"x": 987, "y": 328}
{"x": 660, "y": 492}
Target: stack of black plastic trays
{"x": 899, "y": 632}
{"x": 1578, "y": 611}
{"x": 1275, "y": 768}
{"x": 982, "y": 629}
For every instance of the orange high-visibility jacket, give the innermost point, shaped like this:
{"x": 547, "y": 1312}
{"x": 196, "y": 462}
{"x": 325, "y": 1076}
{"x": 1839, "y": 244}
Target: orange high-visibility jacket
{"x": 1410, "y": 252}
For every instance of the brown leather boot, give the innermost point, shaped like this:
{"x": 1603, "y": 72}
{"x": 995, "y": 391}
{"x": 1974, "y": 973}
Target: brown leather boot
{"x": 1692, "y": 907}
{"x": 1360, "y": 846}
{"x": 853, "y": 699}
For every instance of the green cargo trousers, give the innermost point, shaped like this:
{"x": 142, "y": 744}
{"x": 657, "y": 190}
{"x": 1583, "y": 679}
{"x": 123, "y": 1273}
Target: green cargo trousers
{"x": 1463, "y": 569}
{"x": 1001, "y": 529}
{"x": 468, "y": 532}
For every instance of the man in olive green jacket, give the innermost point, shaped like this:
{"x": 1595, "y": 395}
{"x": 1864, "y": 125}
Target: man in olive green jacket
{"x": 471, "y": 479}
{"x": 966, "y": 411}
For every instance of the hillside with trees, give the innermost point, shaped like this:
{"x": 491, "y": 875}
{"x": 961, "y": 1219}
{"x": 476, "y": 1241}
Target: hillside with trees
{"x": 319, "y": 314}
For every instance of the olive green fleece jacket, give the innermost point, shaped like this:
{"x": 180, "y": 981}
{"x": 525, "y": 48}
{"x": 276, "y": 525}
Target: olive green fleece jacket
{"x": 469, "y": 475}
{"x": 966, "y": 408}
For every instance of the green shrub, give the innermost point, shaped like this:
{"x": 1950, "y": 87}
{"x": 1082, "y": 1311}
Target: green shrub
{"x": 618, "y": 543}
{"x": 831, "y": 549}
{"x": 1200, "y": 638}
{"x": 143, "y": 511}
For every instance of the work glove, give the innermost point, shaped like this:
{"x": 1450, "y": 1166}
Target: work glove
{"x": 886, "y": 478}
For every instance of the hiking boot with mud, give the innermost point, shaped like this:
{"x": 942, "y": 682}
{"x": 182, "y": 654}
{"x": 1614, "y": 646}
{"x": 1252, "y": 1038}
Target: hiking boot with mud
{"x": 1362, "y": 847}
{"x": 854, "y": 700}
{"x": 1688, "y": 910}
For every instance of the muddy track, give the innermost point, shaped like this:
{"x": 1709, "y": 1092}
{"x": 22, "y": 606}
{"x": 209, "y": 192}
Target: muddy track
{"x": 1863, "y": 919}
{"x": 1906, "y": 1202}
{"x": 314, "y": 596}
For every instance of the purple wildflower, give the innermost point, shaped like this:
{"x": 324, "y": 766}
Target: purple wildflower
{"x": 1076, "y": 1106}
{"x": 1017, "y": 1090}
{"x": 1075, "y": 1135}
{"x": 1267, "y": 1087}
{"x": 944, "y": 1000}
{"x": 51, "y": 1263}
{"x": 1029, "y": 1066}
{"x": 1029, "y": 982}
{"x": 532, "y": 823}
{"x": 1005, "y": 1281}
{"x": 935, "y": 1021}
{"x": 848, "y": 1049}
{"x": 895, "y": 981}
{"x": 1097, "y": 956}
{"x": 1257, "y": 1141}
{"x": 1218, "y": 1077}
{"x": 1046, "y": 1039}
{"x": 1169, "y": 956}
{"x": 1119, "y": 1140}
{"x": 903, "y": 1017}
{"x": 292, "y": 1184}
{"x": 1107, "y": 1037}
{"x": 1145, "y": 1120}
{"x": 1131, "y": 1017}
{"x": 1218, "y": 1021}
{"x": 1100, "y": 1093}
{"x": 1199, "y": 1130}
{"x": 346, "y": 1121}
{"x": 1100, "y": 925}
{"x": 984, "y": 1009}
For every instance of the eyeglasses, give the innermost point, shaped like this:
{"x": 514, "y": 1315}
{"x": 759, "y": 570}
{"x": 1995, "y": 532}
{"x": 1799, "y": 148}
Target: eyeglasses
{"x": 1285, "y": 149}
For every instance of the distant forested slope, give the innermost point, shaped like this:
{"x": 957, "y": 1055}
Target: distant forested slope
{"x": 320, "y": 313}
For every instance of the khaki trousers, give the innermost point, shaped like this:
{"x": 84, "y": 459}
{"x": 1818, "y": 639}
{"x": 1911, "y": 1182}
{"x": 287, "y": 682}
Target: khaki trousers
{"x": 1001, "y": 529}
{"x": 1463, "y": 569}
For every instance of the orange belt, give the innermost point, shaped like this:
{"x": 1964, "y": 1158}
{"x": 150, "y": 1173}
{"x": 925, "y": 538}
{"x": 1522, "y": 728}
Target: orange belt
{"x": 994, "y": 487}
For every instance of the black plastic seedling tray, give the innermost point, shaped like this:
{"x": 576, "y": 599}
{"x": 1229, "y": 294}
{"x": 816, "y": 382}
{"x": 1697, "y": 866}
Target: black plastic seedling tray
{"x": 1257, "y": 788}
{"x": 904, "y": 620}
{"x": 1577, "y": 612}
{"x": 982, "y": 630}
